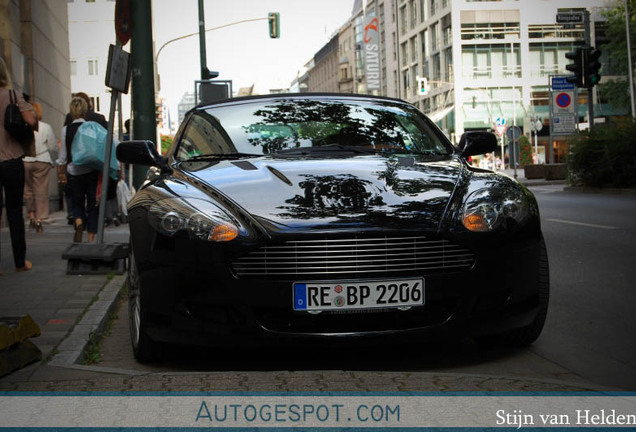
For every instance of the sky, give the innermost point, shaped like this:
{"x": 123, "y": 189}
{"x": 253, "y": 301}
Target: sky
{"x": 243, "y": 53}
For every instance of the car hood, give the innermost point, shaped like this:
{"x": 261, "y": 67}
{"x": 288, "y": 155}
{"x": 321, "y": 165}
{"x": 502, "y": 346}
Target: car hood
{"x": 357, "y": 192}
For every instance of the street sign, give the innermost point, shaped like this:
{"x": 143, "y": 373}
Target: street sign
{"x": 564, "y": 124}
{"x": 560, "y": 83}
{"x": 500, "y": 121}
{"x": 501, "y": 129}
{"x": 118, "y": 69}
{"x": 123, "y": 23}
{"x": 569, "y": 18}
{"x": 563, "y": 102}
{"x": 513, "y": 133}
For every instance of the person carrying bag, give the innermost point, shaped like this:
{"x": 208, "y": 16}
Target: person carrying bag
{"x": 82, "y": 180}
{"x": 12, "y": 170}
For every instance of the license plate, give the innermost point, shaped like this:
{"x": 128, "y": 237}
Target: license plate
{"x": 319, "y": 296}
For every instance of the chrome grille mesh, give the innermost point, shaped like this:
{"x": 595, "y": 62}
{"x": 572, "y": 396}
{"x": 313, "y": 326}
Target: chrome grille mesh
{"x": 354, "y": 257}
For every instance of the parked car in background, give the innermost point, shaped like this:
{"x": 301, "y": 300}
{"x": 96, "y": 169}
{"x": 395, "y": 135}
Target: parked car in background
{"x": 323, "y": 218}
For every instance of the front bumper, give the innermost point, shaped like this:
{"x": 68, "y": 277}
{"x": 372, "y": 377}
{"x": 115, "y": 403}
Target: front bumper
{"x": 191, "y": 295}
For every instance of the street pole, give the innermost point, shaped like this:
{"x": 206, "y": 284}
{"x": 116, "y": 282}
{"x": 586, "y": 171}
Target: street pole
{"x": 514, "y": 115}
{"x": 629, "y": 60}
{"x": 590, "y": 88}
{"x": 204, "y": 66}
{"x": 143, "y": 79}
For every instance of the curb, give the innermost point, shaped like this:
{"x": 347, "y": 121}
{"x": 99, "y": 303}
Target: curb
{"x": 611, "y": 191}
{"x": 70, "y": 351}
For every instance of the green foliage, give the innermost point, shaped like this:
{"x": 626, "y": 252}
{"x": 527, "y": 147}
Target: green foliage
{"x": 166, "y": 142}
{"x": 525, "y": 151}
{"x": 604, "y": 157}
{"x": 616, "y": 92}
{"x": 92, "y": 354}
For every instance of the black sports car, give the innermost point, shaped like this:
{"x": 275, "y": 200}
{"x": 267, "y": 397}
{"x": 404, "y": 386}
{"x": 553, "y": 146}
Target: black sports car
{"x": 317, "y": 217}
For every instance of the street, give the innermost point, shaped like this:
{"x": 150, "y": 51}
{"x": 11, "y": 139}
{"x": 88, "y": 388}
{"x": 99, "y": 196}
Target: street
{"x": 591, "y": 242}
{"x": 588, "y": 338}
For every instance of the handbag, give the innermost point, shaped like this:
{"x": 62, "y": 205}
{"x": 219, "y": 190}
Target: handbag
{"x": 17, "y": 127}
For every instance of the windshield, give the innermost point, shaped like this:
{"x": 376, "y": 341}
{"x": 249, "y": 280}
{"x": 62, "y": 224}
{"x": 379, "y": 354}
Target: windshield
{"x": 291, "y": 127}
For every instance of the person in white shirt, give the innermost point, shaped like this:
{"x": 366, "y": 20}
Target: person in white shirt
{"x": 36, "y": 173}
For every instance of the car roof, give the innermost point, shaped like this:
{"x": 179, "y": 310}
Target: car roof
{"x": 299, "y": 96}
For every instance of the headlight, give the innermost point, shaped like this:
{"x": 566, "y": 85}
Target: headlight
{"x": 200, "y": 218}
{"x": 494, "y": 208}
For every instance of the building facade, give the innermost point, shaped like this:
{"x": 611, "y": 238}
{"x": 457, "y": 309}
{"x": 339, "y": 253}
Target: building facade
{"x": 469, "y": 63}
{"x": 324, "y": 74}
{"x": 91, "y": 28}
{"x": 34, "y": 44}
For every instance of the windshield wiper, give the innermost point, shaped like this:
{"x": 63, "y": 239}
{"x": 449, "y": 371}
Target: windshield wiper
{"x": 224, "y": 156}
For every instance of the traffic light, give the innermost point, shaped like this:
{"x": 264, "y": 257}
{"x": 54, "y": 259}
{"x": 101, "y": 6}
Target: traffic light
{"x": 274, "y": 24}
{"x": 576, "y": 66}
{"x": 422, "y": 83}
{"x": 592, "y": 66}
{"x": 159, "y": 113}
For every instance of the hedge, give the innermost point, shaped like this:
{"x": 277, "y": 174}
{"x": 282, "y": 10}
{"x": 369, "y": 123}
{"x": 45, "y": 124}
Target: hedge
{"x": 605, "y": 156}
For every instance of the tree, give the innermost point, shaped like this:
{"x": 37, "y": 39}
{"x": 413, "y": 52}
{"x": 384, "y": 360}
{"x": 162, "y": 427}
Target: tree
{"x": 525, "y": 151}
{"x": 615, "y": 50}
{"x": 166, "y": 142}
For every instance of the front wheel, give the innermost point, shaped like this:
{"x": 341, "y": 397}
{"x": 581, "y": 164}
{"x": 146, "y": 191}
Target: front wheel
{"x": 144, "y": 348}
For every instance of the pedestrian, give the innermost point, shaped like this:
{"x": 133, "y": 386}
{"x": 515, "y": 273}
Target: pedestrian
{"x": 12, "y": 172}
{"x": 82, "y": 180}
{"x": 36, "y": 173}
{"x": 91, "y": 115}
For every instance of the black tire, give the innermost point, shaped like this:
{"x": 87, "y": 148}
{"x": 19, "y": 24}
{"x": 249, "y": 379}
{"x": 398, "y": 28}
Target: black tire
{"x": 144, "y": 348}
{"x": 527, "y": 335}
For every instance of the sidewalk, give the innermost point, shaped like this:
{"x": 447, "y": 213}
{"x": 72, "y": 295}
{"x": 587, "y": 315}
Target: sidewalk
{"x": 57, "y": 302}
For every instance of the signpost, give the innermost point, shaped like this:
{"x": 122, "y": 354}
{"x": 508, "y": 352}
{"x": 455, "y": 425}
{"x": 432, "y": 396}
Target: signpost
{"x": 563, "y": 106}
{"x": 500, "y": 127}
{"x": 100, "y": 257}
{"x": 564, "y": 111}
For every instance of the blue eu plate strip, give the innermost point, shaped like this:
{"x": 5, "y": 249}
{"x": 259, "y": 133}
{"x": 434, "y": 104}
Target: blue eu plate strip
{"x": 300, "y": 296}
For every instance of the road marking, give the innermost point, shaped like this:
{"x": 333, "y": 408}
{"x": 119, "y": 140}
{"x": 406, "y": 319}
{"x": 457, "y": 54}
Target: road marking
{"x": 582, "y": 224}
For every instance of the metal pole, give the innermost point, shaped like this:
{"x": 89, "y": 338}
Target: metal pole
{"x": 590, "y": 88}
{"x": 514, "y": 116}
{"x": 549, "y": 147}
{"x": 106, "y": 169}
{"x": 143, "y": 76}
{"x": 629, "y": 60}
{"x": 204, "y": 67}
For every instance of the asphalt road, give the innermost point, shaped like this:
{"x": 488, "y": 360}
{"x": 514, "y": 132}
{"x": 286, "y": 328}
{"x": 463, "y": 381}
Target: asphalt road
{"x": 591, "y": 326}
{"x": 588, "y": 338}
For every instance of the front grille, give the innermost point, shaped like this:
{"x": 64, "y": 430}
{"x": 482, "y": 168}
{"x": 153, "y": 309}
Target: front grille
{"x": 354, "y": 257}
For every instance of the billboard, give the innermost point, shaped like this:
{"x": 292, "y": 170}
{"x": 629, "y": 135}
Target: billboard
{"x": 371, "y": 41}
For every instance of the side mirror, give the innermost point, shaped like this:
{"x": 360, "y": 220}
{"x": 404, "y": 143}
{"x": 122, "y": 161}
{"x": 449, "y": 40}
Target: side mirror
{"x": 141, "y": 153}
{"x": 476, "y": 143}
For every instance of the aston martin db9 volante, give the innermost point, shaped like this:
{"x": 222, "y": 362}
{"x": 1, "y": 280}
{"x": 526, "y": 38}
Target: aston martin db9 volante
{"x": 328, "y": 218}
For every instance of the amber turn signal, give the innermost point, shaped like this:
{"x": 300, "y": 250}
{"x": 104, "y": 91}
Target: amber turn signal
{"x": 476, "y": 223}
{"x": 223, "y": 233}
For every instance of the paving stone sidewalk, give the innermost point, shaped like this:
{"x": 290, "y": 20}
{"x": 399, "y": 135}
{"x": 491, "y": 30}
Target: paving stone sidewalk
{"x": 57, "y": 302}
